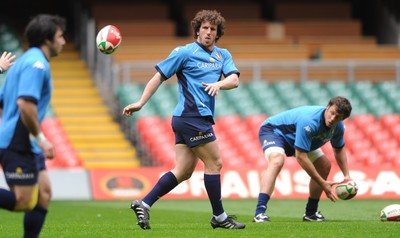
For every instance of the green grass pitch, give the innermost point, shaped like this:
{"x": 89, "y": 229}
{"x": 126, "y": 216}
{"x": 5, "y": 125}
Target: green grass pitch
{"x": 190, "y": 218}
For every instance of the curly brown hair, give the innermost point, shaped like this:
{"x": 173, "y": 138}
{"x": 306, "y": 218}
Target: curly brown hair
{"x": 343, "y": 106}
{"x": 211, "y": 16}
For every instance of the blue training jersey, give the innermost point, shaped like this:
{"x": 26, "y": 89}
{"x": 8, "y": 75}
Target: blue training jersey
{"x": 29, "y": 78}
{"x": 193, "y": 65}
{"x": 304, "y": 128}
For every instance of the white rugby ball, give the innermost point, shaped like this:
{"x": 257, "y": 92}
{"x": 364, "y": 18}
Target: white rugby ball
{"x": 390, "y": 213}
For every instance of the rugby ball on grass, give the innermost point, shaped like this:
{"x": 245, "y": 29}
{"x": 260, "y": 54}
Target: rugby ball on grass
{"x": 390, "y": 213}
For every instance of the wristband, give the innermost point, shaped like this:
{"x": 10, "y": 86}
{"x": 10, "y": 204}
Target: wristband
{"x": 39, "y": 138}
{"x": 1, "y": 70}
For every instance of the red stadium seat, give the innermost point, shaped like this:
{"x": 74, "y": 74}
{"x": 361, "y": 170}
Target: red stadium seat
{"x": 371, "y": 129}
{"x": 363, "y": 120}
{"x": 254, "y": 122}
{"x": 388, "y": 121}
{"x": 379, "y": 136}
{"x": 391, "y": 155}
{"x": 394, "y": 130}
{"x": 353, "y": 135}
{"x": 144, "y": 123}
{"x": 66, "y": 156}
{"x": 370, "y": 157}
{"x": 229, "y": 121}
{"x": 358, "y": 145}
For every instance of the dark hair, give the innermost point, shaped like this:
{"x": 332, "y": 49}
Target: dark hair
{"x": 343, "y": 106}
{"x": 211, "y": 16}
{"x": 43, "y": 27}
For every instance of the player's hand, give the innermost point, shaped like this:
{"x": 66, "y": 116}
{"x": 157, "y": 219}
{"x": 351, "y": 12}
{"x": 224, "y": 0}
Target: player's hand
{"x": 6, "y": 60}
{"x": 47, "y": 148}
{"x": 212, "y": 88}
{"x": 330, "y": 193}
{"x": 131, "y": 108}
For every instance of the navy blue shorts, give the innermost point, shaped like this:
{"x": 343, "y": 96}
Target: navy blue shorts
{"x": 193, "y": 131}
{"x": 40, "y": 161}
{"x": 21, "y": 168}
{"x": 268, "y": 138}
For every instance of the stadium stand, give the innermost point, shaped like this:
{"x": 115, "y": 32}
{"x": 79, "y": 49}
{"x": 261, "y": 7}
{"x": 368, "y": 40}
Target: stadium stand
{"x": 279, "y": 30}
{"x": 290, "y": 10}
{"x": 139, "y": 19}
{"x": 90, "y": 129}
{"x": 363, "y": 141}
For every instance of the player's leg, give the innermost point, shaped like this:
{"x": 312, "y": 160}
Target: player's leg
{"x": 21, "y": 176}
{"x": 210, "y": 155}
{"x": 34, "y": 220}
{"x": 275, "y": 157}
{"x": 185, "y": 165}
{"x": 274, "y": 153}
{"x": 323, "y": 167}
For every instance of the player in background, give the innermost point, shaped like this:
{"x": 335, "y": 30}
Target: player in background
{"x": 301, "y": 132}
{"x": 6, "y": 60}
{"x": 199, "y": 67}
{"x": 24, "y": 99}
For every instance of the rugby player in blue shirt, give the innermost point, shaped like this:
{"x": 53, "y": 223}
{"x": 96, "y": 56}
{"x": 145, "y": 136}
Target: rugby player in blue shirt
{"x": 199, "y": 67}
{"x": 301, "y": 132}
{"x": 24, "y": 99}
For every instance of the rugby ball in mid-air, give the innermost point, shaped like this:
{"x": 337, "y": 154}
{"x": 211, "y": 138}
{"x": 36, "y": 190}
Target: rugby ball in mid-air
{"x": 347, "y": 189}
{"x": 108, "y": 39}
{"x": 390, "y": 213}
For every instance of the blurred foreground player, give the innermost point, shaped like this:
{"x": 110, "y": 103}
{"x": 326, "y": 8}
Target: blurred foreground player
{"x": 199, "y": 67}
{"x": 24, "y": 99}
{"x": 301, "y": 132}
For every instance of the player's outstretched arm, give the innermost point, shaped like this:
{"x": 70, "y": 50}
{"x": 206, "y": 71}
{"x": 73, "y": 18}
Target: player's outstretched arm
{"x": 148, "y": 91}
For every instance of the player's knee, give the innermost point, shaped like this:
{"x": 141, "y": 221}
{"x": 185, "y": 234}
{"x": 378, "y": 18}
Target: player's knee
{"x": 44, "y": 199}
{"x": 215, "y": 166}
{"x": 46, "y": 194}
{"x": 218, "y": 164}
{"x": 276, "y": 161}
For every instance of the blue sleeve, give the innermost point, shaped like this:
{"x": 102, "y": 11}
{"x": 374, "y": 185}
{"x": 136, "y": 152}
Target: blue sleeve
{"x": 229, "y": 67}
{"x": 337, "y": 140}
{"x": 173, "y": 63}
{"x": 31, "y": 82}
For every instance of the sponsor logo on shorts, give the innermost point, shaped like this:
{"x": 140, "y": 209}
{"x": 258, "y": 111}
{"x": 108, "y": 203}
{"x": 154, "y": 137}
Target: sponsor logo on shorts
{"x": 201, "y": 136}
{"x": 268, "y": 142}
{"x": 19, "y": 174}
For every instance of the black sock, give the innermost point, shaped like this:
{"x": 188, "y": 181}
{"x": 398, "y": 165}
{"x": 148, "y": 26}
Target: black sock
{"x": 33, "y": 221}
{"x": 212, "y": 183}
{"x": 312, "y": 206}
{"x": 263, "y": 199}
{"x": 166, "y": 183}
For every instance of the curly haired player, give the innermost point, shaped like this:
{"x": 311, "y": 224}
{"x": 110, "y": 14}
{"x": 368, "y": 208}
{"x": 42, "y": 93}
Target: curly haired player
{"x": 199, "y": 67}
